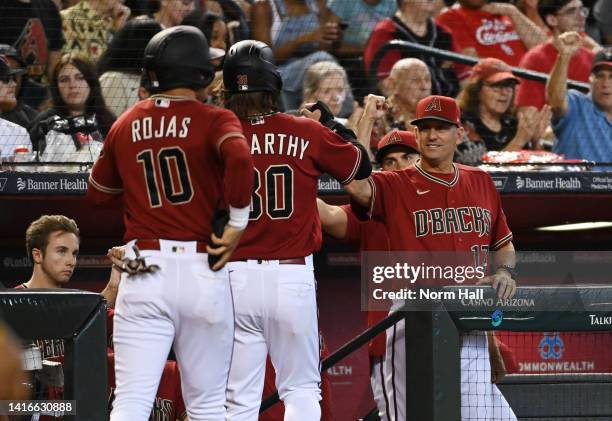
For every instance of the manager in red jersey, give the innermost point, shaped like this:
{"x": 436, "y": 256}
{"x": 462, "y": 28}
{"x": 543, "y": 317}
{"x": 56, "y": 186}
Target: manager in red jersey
{"x": 271, "y": 271}
{"x": 175, "y": 160}
{"x": 437, "y": 205}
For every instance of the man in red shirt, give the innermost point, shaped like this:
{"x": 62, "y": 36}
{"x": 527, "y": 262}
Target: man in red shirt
{"x": 560, "y": 16}
{"x": 272, "y": 270}
{"x": 437, "y": 205}
{"x": 497, "y": 30}
{"x": 175, "y": 160}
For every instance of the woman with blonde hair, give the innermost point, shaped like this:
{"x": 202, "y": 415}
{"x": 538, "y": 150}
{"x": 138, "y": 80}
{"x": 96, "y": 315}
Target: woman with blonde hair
{"x": 326, "y": 81}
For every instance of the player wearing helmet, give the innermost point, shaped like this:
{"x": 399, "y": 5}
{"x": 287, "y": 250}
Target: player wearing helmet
{"x": 175, "y": 160}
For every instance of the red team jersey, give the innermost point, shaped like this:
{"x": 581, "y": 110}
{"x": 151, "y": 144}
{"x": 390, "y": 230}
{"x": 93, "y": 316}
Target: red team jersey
{"x": 371, "y": 236}
{"x": 289, "y": 153}
{"x": 446, "y": 212}
{"x": 491, "y": 35}
{"x": 163, "y": 155}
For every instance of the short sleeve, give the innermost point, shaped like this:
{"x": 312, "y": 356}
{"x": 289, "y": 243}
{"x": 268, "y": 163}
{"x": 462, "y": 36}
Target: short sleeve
{"x": 380, "y": 36}
{"x": 225, "y": 125}
{"x": 336, "y": 156}
{"x": 574, "y": 102}
{"x": 353, "y": 231}
{"x": 385, "y": 187}
{"x": 104, "y": 174}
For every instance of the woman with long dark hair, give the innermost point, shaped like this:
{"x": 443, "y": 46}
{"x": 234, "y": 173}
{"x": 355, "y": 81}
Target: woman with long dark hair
{"x": 73, "y": 129}
{"x": 120, "y": 67}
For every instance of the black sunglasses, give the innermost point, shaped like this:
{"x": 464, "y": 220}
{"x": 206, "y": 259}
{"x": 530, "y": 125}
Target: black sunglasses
{"x": 8, "y": 78}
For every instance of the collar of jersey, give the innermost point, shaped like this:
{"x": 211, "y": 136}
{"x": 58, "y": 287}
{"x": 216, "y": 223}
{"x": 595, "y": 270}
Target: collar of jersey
{"x": 435, "y": 179}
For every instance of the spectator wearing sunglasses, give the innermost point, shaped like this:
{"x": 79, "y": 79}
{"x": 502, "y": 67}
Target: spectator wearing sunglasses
{"x": 486, "y": 102}
{"x": 12, "y": 107}
{"x": 560, "y": 16}
{"x": 11, "y": 134}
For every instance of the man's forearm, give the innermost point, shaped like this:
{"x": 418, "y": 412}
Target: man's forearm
{"x": 556, "y": 88}
{"x": 530, "y": 33}
{"x": 505, "y": 256}
{"x": 364, "y": 134}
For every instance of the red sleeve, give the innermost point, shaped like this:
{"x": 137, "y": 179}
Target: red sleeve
{"x": 336, "y": 156}
{"x": 239, "y": 174}
{"x": 353, "y": 231}
{"x": 530, "y": 92}
{"x": 384, "y": 194}
{"x": 380, "y": 36}
{"x": 500, "y": 232}
{"x": 104, "y": 180}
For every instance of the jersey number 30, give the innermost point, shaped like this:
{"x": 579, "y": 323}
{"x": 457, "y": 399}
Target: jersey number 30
{"x": 174, "y": 171}
{"x": 275, "y": 194}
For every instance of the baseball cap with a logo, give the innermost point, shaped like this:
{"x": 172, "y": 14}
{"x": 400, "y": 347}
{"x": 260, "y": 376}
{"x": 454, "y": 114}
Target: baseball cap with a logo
{"x": 492, "y": 70}
{"x": 5, "y": 68}
{"x": 603, "y": 59}
{"x": 437, "y": 107}
{"x": 402, "y": 138}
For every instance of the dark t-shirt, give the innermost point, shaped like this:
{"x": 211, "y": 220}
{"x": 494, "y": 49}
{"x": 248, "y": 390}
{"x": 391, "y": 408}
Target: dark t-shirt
{"x": 33, "y": 29}
{"x": 494, "y": 141}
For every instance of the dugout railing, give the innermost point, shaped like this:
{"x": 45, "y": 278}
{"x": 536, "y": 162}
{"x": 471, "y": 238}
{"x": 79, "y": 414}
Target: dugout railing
{"x": 433, "y": 343}
{"x": 79, "y": 318}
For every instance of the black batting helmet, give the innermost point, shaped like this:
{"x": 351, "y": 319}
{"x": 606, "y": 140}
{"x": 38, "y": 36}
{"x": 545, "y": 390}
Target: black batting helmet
{"x": 249, "y": 67}
{"x": 178, "y": 57}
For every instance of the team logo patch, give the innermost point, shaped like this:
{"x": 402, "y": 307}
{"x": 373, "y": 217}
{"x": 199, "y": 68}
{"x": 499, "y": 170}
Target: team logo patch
{"x": 434, "y": 105}
{"x": 394, "y": 138}
{"x": 243, "y": 82}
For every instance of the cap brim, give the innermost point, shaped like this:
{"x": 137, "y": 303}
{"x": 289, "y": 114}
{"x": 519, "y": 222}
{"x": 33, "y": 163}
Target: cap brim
{"x": 382, "y": 151}
{"x": 215, "y": 53}
{"x": 501, "y": 76}
{"x": 597, "y": 66}
{"x": 445, "y": 120}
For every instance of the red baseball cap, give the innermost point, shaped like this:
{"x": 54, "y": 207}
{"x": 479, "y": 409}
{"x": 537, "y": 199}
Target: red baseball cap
{"x": 396, "y": 138}
{"x": 492, "y": 70}
{"x": 602, "y": 59}
{"x": 438, "y": 107}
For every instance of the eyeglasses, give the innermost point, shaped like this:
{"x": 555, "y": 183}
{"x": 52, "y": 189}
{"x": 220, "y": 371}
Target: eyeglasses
{"x": 499, "y": 86}
{"x": 186, "y": 2}
{"x": 8, "y": 78}
{"x": 573, "y": 11}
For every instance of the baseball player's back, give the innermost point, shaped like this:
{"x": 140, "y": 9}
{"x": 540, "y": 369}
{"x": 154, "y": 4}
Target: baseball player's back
{"x": 289, "y": 153}
{"x": 163, "y": 155}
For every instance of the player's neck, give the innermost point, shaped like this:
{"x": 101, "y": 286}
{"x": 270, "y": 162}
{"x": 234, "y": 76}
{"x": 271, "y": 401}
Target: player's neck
{"x": 442, "y": 167}
{"x": 40, "y": 279}
{"x": 184, "y": 93}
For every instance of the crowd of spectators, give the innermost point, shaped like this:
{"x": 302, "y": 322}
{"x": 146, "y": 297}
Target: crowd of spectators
{"x": 69, "y": 68}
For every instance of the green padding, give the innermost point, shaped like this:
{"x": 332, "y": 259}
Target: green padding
{"x": 535, "y": 320}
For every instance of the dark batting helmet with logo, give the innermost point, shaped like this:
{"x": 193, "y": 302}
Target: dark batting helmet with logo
{"x": 178, "y": 57}
{"x": 249, "y": 67}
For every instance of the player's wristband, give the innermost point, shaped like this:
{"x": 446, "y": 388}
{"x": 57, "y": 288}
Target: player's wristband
{"x": 511, "y": 270}
{"x": 239, "y": 217}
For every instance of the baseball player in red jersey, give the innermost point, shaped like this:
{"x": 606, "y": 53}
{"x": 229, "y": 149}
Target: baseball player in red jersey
{"x": 271, "y": 271}
{"x": 437, "y": 205}
{"x": 175, "y": 160}
{"x": 397, "y": 150}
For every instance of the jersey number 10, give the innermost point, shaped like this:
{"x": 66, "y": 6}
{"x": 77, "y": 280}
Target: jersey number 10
{"x": 174, "y": 172}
